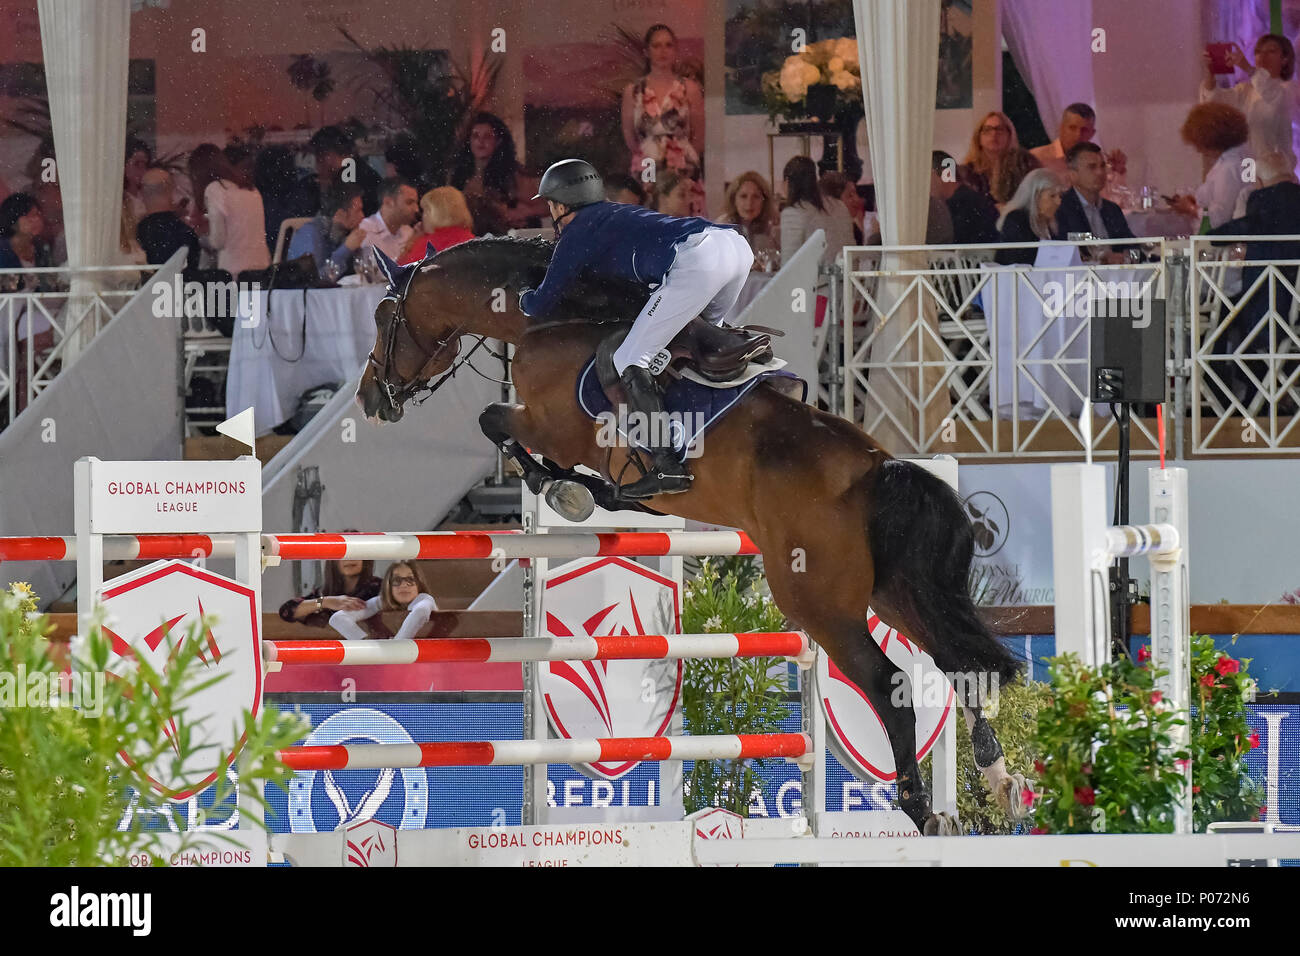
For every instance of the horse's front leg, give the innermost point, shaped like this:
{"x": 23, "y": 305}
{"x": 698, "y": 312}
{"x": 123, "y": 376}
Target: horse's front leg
{"x": 567, "y": 491}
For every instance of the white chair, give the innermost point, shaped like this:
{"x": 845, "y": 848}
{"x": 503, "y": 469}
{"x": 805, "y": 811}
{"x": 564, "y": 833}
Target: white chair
{"x": 287, "y": 228}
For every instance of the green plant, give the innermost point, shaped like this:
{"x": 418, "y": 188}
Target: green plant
{"x": 434, "y": 99}
{"x": 730, "y": 696}
{"x": 63, "y": 787}
{"x": 1015, "y": 721}
{"x": 1108, "y": 762}
{"x": 1221, "y": 737}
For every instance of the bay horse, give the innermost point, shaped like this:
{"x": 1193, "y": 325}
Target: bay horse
{"x": 842, "y": 525}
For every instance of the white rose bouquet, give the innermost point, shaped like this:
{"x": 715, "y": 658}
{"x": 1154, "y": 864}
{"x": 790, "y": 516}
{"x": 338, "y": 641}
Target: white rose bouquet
{"x": 828, "y": 64}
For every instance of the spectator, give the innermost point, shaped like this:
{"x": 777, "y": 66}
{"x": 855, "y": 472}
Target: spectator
{"x": 1272, "y": 209}
{"x": 1268, "y": 98}
{"x": 161, "y": 232}
{"x": 938, "y": 222}
{"x": 624, "y": 189}
{"x": 1078, "y": 125}
{"x": 836, "y": 186}
{"x": 390, "y": 228}
{"x": 807, "y": 210}
{"x": 348, "y": 585}
{"x": 495, "y": 186}
{"x": 995, "y": 163}
{"x": 402, "y": 160}
{"x": 403, "y": 590}
{"x": 674, "y": 194}
{"x": 333, "y": 147}
{"x": 1084, "y": 210}
{"x": 974, "y": 215}
{"x": 1030, "y": 216}
{"x": 335, "y": 234}
{"x": 51, "y": 202}
{"x": 138, "y": 159}
{"x": 228, "y": 214}
{"x": 287, "y": 193}
{"x": 663, "y": 117}
{"x": 751, "y": 206}
{"x": 1219, "y": 133}
{"x": 444, "y": 221}
{"x": 21, "y": 247}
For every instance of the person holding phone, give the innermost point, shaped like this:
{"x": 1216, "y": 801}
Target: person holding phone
{"x": 1270, "y": 96}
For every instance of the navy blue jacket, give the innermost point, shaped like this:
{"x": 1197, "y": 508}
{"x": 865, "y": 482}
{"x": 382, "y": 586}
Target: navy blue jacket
{"x": 1070, "y": 217}
{"x": 612, "y": 239}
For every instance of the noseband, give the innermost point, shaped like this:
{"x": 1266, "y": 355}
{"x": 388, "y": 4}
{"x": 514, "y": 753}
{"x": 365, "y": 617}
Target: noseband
{"x": 399, "y": 393}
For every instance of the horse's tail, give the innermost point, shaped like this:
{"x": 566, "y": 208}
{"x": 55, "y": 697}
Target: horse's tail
{"x": 922, "y": 544}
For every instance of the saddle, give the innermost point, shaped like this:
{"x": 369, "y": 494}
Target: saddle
{"x": 718, "y": 353}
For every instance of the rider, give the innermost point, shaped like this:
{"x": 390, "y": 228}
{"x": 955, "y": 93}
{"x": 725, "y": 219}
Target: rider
{"x": 698, "y": 267}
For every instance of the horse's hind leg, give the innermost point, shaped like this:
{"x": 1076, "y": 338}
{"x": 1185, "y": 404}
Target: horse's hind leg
{"x": 890, "y": 695}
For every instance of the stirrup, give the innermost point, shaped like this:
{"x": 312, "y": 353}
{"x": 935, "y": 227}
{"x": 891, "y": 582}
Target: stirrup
{"x": 665, "y": 477}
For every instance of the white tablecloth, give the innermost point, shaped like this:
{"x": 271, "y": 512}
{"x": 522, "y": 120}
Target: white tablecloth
{"x": 1161, "y": 222}
{"x": 270, "y": 366}
{"x": 1052, "y": 347}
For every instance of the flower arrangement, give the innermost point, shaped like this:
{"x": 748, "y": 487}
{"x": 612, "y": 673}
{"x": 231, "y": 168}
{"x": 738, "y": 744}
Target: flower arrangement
{"x": 820, "y": 81}
{"x": 1106, "y": 736}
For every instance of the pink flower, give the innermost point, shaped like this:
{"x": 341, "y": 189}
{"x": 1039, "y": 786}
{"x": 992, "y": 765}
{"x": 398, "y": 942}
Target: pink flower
{"x": 1038, "y": 767}
{"x": 1027, "y": 797}
{"x": 1037, "y": 830}
{"x": 1181, "y": 765}
{"x": 1085, "y": 795}
{"x": 1156, "y": 696}
{"x": 1227, "y": 665}
{"x": 1144, "y": 653}
{"x": 1086, "y": 770}
{"x": 1207, "y": 680}
{"x": 1253, "y": 739}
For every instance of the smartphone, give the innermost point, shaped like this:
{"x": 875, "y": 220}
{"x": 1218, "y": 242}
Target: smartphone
{"x": 1219, "y": 57}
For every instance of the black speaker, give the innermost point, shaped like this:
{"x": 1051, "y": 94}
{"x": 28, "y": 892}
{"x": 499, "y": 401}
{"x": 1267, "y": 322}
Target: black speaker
{"x": 1126, "y": 359}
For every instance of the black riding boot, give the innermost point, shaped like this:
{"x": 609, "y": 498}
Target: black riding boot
{"x": 668, "y": 475}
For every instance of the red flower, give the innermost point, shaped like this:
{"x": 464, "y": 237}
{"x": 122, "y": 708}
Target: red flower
{"x": 1207, "y": 680}
{"x": 1253, "y": 739}
{"x": 1043, "y": 830}
{"x": 1156, "y": 696}
{"x": 1227, "y": 665}
{"x": 1038, "y": 767}
{"x": 1027, "y": 797}
{"x": 1085, "y": 796}
{"x": 1196, "y": 789}
{"x": 1144, "y": 653}
{"x": 1263, "y": 812}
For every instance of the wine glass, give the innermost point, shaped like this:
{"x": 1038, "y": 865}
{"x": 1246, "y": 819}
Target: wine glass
{"x": 331, "y": 271}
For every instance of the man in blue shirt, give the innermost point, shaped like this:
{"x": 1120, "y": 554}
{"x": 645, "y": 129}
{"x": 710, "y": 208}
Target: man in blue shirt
{"x": 335, "y": 234}
{"x": 695, "y": 267}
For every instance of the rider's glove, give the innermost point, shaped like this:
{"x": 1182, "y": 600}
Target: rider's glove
{"x": 523, "y": 292}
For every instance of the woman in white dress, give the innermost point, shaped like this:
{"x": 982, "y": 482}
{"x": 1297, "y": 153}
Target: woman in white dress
{"x": 1269, "y": 98}
{"x": 228, "y": 214}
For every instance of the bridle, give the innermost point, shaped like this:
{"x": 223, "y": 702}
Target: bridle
{"x": 398, "y": 394}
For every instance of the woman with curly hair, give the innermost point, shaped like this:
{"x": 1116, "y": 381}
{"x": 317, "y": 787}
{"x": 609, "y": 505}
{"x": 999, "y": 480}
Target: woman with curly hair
{"x": 995, "y": 164}
{"x": 751, "y": 206}
{"x": 1219, "y": 133}
{"x": 496, "y": 187}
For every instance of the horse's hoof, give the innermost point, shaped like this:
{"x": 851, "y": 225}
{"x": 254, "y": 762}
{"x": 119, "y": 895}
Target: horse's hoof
{"x": 1010, "y": 796}
{"x": 572, "y": 501}
{"x": 941, "y": 824}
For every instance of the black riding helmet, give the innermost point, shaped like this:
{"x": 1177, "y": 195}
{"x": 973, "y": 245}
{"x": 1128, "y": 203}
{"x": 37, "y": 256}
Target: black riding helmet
{"x": 573, "y": 182}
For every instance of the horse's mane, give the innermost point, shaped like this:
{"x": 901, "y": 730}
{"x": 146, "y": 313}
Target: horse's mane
{"x": 515, "y": 262}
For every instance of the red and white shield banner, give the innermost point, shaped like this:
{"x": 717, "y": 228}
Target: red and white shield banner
{"x": 149, "y": 614}
{"x": 610, "y": 596}
{"x": 370, "y": 843}
{"x": 854, "y": 729}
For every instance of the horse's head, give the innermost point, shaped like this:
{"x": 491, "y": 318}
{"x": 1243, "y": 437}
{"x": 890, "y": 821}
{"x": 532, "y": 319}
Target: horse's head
{"x": 408, "y": 351}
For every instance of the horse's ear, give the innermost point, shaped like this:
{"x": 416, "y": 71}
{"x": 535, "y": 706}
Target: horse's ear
{"x": 388, "y": 266}
{"x": 430, "y": 250}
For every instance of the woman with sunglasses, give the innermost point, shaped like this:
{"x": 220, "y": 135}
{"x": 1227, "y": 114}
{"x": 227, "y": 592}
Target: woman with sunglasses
{"x": 403, "y": 590}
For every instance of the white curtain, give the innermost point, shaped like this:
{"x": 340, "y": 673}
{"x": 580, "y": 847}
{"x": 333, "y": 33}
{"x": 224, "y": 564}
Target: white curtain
{"x": 898, "y": 47}
{"x": 86, "y": 45}
{"x": 1051, "y": 43}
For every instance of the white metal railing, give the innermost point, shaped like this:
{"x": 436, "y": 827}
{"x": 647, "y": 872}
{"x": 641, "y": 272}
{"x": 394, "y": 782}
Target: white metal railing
{"x": 944, "y": 352}
{"x": 1244, "y": 368}
{"x": 48, "y": 316}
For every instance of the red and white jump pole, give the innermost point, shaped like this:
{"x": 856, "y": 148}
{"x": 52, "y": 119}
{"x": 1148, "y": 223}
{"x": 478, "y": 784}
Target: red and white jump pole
{"x": 514, "y": 753}
{"x": 791, "y": 644}
{"x": 394, "y": 546}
